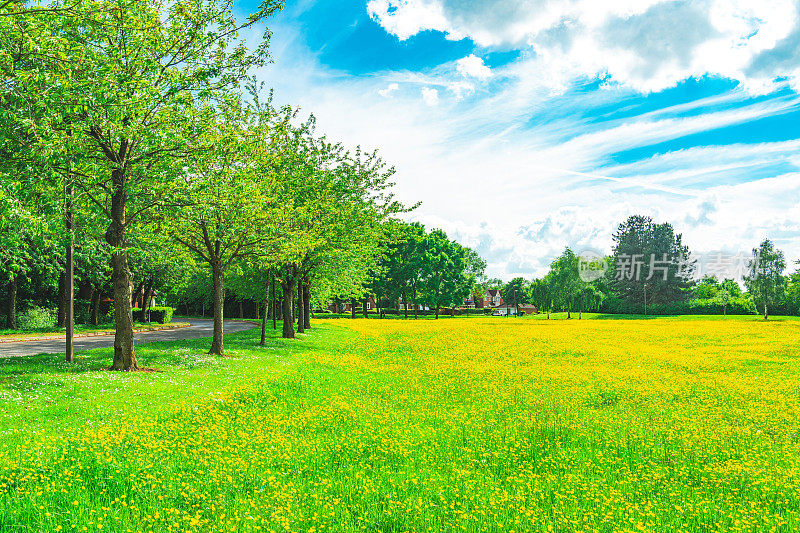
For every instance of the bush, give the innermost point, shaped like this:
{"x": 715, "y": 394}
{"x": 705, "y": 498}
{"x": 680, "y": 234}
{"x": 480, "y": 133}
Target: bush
{"x": 710, "y": 306}
{"x": 161, "y": 315}
{"x": 37, "y": 318}
{"x": 83, "y": 309}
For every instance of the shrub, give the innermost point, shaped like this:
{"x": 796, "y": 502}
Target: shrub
{"x": 83, "y": 309}
{"x": 162, "y": 315}
{"x": 710, "y": 306}
{"x": 37, "y": 318}
{"x": 110, "y": 314}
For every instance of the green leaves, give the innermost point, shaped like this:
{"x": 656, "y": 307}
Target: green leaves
{"x": 765, "y": 281}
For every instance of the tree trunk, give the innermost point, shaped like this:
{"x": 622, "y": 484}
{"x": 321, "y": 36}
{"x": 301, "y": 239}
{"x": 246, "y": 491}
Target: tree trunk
{"x": 765, "y": 311}
{"x": 148, "y": 296}
{"x": 307, "y": 304}
{"x": 274, "y": 305}
{"x": 69, "y": 287}
{"x": 353, "y": 307}
{"x": 241, "y": 310}
{"x": 124, "y": 355}
{"x": 300, "y": 308}
{"x": 405, "y": 304}
{"x": 364, "y": 305}
{"x": 218, "y": 280}
{"x": 288, "y": 304}
{"x": 437, "y": 311}
{"x": 62, "y": 300}
{"x": 96, "y": 295}
{"x": 69, "y": 318}
{"x": 264, "y": 320}
{"x": 11, "y": 316}
{"x": 135, "y": 295}
{"x": 415, "y": 303}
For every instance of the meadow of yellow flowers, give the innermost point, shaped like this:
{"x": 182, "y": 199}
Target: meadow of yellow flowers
{"x": 453, "y": 425}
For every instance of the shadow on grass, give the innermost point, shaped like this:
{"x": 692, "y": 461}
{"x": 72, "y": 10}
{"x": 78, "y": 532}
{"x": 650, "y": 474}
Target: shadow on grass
{"x": 161, "y": 355}
{"x": 176, "y": 354}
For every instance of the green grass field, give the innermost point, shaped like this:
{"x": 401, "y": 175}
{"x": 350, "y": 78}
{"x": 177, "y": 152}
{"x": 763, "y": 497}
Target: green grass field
{"x": 490, "y": 424}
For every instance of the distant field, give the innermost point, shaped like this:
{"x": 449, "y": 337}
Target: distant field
{"x": 489, "y": 424}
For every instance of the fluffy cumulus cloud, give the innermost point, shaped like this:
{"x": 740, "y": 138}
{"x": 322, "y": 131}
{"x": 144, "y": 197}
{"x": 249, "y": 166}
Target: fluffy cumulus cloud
{"x": 430, "y": 96}
{"x": 389, "y": 90}
{"x": 472, "y": 66}
{"x": 645, "y": 44}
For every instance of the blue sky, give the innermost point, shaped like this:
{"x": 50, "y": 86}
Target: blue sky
{"x": 525, "y": 126}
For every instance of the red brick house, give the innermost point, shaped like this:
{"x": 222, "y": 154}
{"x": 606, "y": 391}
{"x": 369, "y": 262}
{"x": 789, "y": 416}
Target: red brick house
{"x": 346, "y": 307}
{"x": 401, "y": 306}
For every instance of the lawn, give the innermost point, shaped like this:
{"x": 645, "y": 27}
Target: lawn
{"x": 488, "y": 424}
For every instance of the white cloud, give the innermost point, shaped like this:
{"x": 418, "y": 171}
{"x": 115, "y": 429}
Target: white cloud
{"x": 645, "y": 44}
{"x": 389, "y": 90}
{"x": 430, "y": 96}
{"x": 461, "y": 88}
{"x": 519, "y": 194}
{"x": 472, "y": 66}
{"x": 415, "y": 16}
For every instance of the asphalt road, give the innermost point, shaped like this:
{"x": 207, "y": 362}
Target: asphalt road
{"x": 199, "y": 328}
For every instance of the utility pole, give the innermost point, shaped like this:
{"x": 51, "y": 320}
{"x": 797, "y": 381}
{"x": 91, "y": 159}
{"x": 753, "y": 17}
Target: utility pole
{"x": 645, "y": 300}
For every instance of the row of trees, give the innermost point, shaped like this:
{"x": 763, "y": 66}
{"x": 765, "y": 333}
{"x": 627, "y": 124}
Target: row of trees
{"x": 420, "y": 268}
{"x": 651, "y": 267}
{"x": 135, "y": 148}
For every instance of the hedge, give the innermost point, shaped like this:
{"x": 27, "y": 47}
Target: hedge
{"x": 401, "y": 313}
{"x": 162, "y": 315}
{"x": 711, "y": 306}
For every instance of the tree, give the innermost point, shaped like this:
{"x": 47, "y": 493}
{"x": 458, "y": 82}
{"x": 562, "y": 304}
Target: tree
{"x": 340, "y": 200}
{"x": 724, "y": 297}
{"x": 650, "y": 260}
{"x": 446, "y": 280}
{"x": 126, "y": 99}
{"x": 539, "y": 293}
{"x": 515, "y": 292}
{"x": 707, "y": 288}
{"x": 732, "y": 287}
{"x": 565, "y": 283}
{"x": 765, "y": 281}
{"x": 589, "y": 298}
{"x": 399, "y": 275}
{"x": 793, "y": 291}
{"x": 227, "y": 208}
